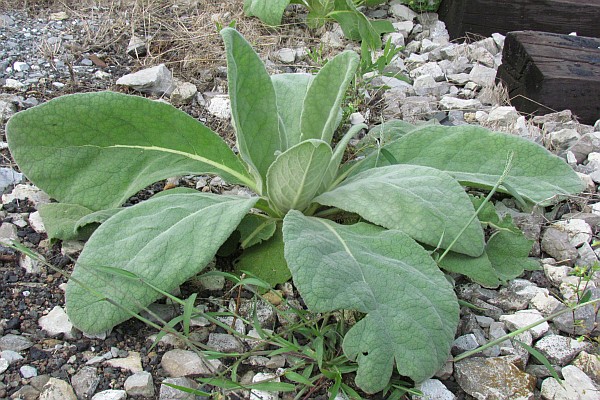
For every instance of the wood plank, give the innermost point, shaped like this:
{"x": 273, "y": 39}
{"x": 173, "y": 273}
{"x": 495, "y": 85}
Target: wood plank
{"x": 546, "y": 72}
{"x": 484, "y": 17}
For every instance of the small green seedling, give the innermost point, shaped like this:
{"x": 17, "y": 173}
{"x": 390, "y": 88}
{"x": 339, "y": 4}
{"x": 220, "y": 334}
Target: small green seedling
{"x": 93, "y": 151}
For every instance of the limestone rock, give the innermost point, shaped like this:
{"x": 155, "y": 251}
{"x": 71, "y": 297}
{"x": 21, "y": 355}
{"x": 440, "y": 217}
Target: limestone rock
{"x": 140, "y": 384}
{"x": 85, "y": 382}
{"x": 576, "y": 386}
{"x": 556, "y": 243}
{"x": 494, "y": 378}
{"x": 433, "y": 389}
{"x": 560, "y": 350}
{"x": 578, "y": 231}
{"x": 261, "y": 394}
{"x": 178, "y": 363}
{"x": 224, "y": 343}
{"x": 169, "y": 393}
{"x": 56, "y": 323}
{"x": 133, "y": 362}
{"x": 14, "y": 342}
{"x": 183, "y": 93}
{"x": 156, "y": 80}
{"x": 453, "y": 103}
{"x": 110, "y": 394}
{"x": 523, "y": 318}
{"x": 57, "y": 389}
{"x": 590, "y": 364}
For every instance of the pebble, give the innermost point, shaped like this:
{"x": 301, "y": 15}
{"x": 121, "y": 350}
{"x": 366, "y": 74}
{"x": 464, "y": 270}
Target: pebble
{"x": 132, "y": 363}
{"x": 169, "y": 393}
{"x": 156, "y": 80}
{"x": 261, "y": 394}
{"x": 57, "y": 323}
{"x": 433, "y": 389}
{"x": 85, "y": 382}
{"x": 560, "y": 350}
{"x": 140, "y": 384}
{"x": 575, "y": 386}
{"x": 578, "y": 231}
{"x": 9, "y": 177}
{"x": 4, "y": 364}
{"x": 178, "y": 363}
{"x": 35, "y": 221}
{"x": 10, "y": 356}
{"x": 520, "y": 319}
{"x": 57, "y": 389}
{"x": 220, "y": 106}
{"x": 27, "y": 371}
{"x": 590, "y": 364}
{"x": 14, "y": 342}
{"x": 110, "y": 394}
{"x": 493, "y": 378}
{"x": 224, "y": 343}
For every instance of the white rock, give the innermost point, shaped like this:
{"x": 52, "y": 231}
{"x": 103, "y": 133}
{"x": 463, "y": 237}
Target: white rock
{"x": 13, "y": 84}
{"x": 261, "y": 394}
{"x": 20, "y": 66}
{"x": 356, "y": 118}
{"x": 178, "y": 363}
{"x": 544, "y": 302}
{"x": 56, "y": 322}
{"x": 110, "y": 394}
{"x": 555, "y": 273}
{"x": 453, "y": 103}
{"x": 3, "y": 365}
{"x": 285, "y": 55}
{"x": 523, "y": 318}
{"x": 560, "y": 350}
{"x": 483, "y": 75}
{"x": 57, "y": 389}
{"x": 503, "y": 115}
{"x": 156, "y": 80}
{"x": 8, "y": 233}
{"x": 482, "y": 56}
{"x": 133, "y": 362}
{"x": 433, "y": 389}
{"x": 333, "y": 39}
{"x": 395, "y": 38}
{"x": 404, "y": 27}
{"x": 426, "y": 85}
{"x": 220, "y": 106}
{"x": 30, "y": 265}
{"x": 576, "y": 386}
{"x": 430, "y": 68}
{"x": 140, "y": 384}
{"x": 402, "y": 12}
{"x": 169, "y": 393}
{"x": 10, "y": 356}
{"x": 578, "y": 230}
{"x": 35, "y": 221}
{"x": 183, "y": 93}
{"x": 136, "y": 46}
{"x": 23, "y": 191}
{"x": 27, "y": 371}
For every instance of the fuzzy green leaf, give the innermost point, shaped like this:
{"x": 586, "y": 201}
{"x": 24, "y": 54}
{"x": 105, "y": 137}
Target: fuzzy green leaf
{"x": 265, "y": 260}
{"x": 508, "y": 252}
{"x": 254, "y": 229}
{"x": 320, "y": 114}
{"x": 61, "y": 221}
{"x": 423, "y": 202}
{"x": 477, "y": 157}
{"x": 291, "y": 90}
{"x": 98, "y": 149}
{"x": 163, "y": 241}
{"x": 253, "y": 105}
{"x": 296, "y": 175}
{"x": 478, "y": 269}
{"x": 410, "y": 305}
{"x": 269, "y": 11}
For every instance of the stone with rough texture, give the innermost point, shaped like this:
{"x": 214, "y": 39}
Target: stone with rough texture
{"x": 57, "y": 389}
{"x": 545, "y": 303}
{"x": 4, "y": 364}
{"x": 523, "y": 318}
{"x": 261, "y": 394}
{"x": 494, "y": 378}
{"x": 178, "y": 363}
{"x": 56, "y": 323}
{"x": 433, "y": 389}
{"x": 590, "y": 364}
{"x": 30, "y": 192}
{"x": 578, "y": 231}
{"x": 224, "y": 343}
{"x": 576, "y": 386}
{"x": 133, "y": 362}
{"x": 140, "y": 384}
{"x": 503, "y": 116}
{"x": 220, "y": 106}
{"x": 402, "y": 12}
{"x": 585, "y": 321}
{"x": 14, "y": 342}
{"x": 110, "y": 394}
{"x": 183, "y": 93}
{"x": 563, "y": 138}
{"x": 169, "y": 393}
{"x": 9, "y": 177}
{"x": 27, "y": 371}
{"x": 85, "y": 382}
{"x": 453, "y": 103}
{"x": 156, "y": 80}
{"x": 35, "y": 221}
{"x": 556, "y": 243}
{"x": 482, "y": 75}
{"x": 560, "y": 350}
{"x": 8, "y": 232}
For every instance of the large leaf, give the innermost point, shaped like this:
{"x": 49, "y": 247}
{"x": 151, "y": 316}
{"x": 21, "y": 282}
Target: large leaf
{"x": 477, "y": 157}
{"x": 98, "y": 149}
{"x": 478, "y": 269}
{"x": 291, "y": 90}
{"x": 269, "y": 11}
{"x": 423, "y": 202}
{"x": 253, "y": 105}
{"x": 296, "y": 175}
{"x": 412, "y": 311}
{"x": 61, "y": 221}
{"x": 320, "y": 114}
{"x": 508, "y": 252}
{"x": 164, "y": 241}
{"x": 254, "y": 229}
{"x": 265, "y": 260}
